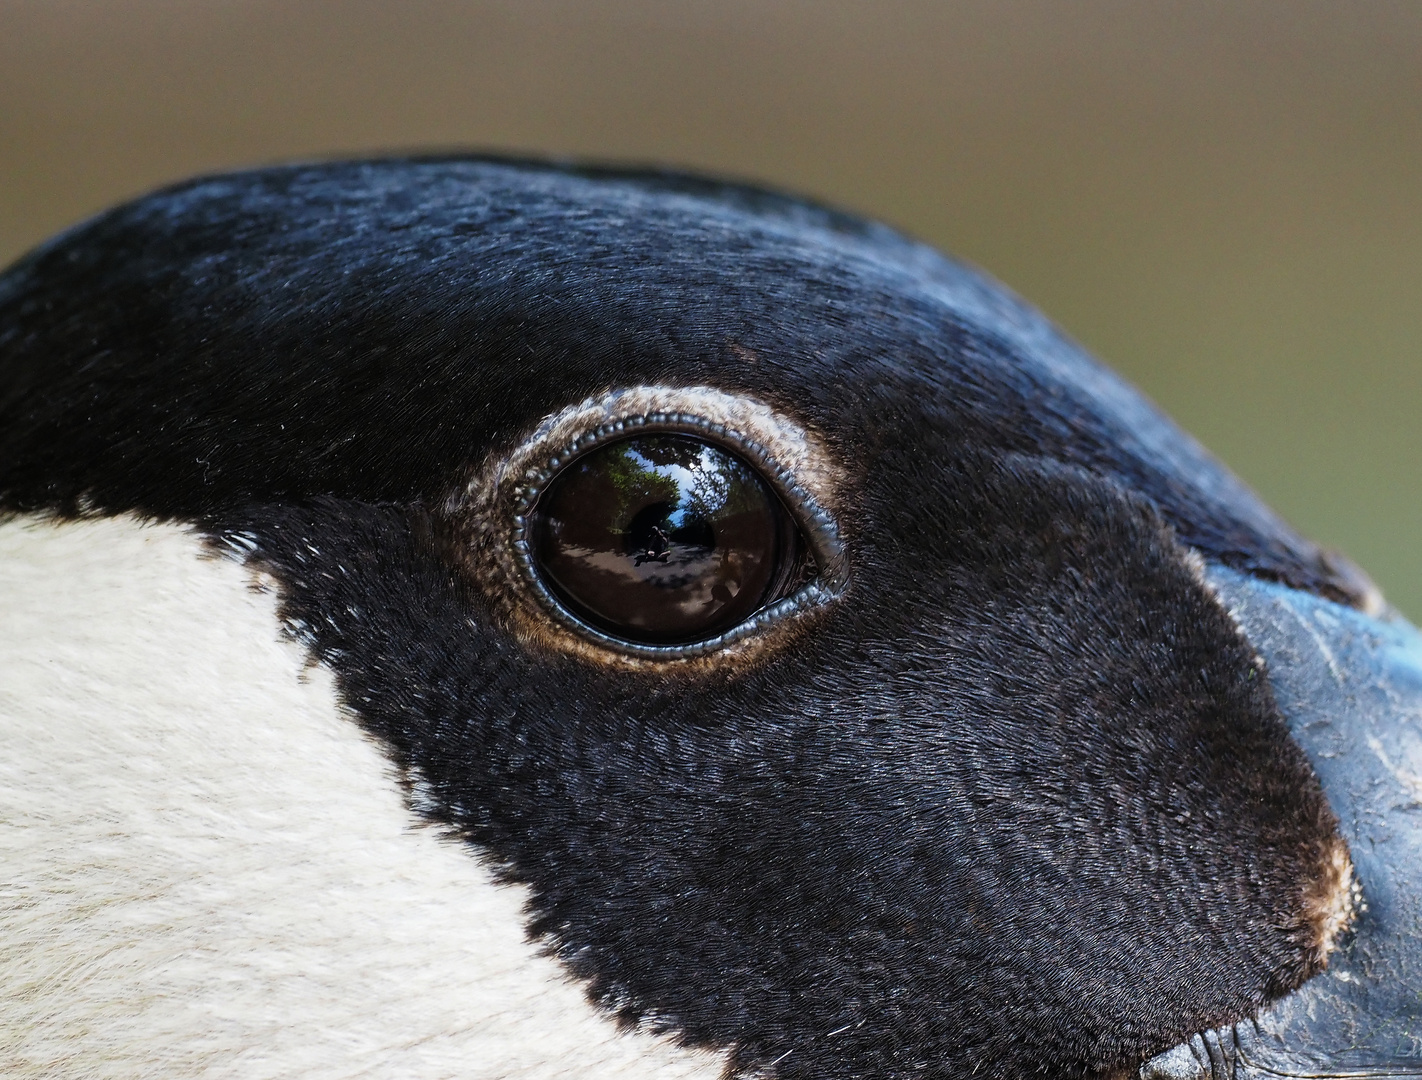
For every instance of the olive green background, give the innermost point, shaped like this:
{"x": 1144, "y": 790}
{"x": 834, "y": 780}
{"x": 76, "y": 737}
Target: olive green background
{"x": 1221, "y": 199}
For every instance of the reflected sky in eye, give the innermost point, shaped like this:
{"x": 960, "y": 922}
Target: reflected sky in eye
{"x": 703, "y": 488}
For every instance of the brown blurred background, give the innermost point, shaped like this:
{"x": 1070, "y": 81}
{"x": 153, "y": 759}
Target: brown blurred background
{"x": 1221, "y": 199}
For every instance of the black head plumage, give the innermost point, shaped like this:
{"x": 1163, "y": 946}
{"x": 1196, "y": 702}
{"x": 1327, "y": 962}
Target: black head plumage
{"x": 1014, "y": 799}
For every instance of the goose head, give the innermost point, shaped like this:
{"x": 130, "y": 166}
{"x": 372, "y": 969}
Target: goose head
{"x": 479, "y": 618}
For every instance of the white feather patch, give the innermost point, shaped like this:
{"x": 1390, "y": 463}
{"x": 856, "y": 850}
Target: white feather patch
{"x": 206, "y": 870}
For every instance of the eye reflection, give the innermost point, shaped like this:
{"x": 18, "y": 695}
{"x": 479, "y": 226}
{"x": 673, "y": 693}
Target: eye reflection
{"x": 663, "y": 539}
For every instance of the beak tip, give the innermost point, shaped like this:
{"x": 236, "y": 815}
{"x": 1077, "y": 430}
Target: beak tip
{"x": 1349, "y": 682}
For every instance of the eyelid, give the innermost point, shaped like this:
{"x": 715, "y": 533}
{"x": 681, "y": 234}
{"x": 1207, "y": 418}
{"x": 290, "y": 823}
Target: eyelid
{"x": 484, "y": 517}
{"x": 816, "y": 525}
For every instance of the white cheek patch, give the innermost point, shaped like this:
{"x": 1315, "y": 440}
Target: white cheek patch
{"x": 207, "y": 870}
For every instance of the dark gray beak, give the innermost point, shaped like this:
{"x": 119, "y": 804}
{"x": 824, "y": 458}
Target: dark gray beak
{"x": 1351, "y": 688}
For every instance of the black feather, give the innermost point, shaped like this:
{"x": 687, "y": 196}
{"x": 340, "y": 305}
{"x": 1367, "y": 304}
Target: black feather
{"x": 1019, "y": 803}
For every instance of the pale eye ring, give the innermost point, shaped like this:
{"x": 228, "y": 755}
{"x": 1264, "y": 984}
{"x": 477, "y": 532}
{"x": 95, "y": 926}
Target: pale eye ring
{"x": 667, "y": 537}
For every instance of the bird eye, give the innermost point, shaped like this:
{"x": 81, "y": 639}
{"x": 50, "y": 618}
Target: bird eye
{"x": 663, "y": 539}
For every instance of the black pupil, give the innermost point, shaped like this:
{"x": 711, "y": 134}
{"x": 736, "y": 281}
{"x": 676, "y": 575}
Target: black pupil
{"x": 662, "y": 539}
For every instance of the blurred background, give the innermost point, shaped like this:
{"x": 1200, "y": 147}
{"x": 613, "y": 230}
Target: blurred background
{"x": 1223, "y": 200}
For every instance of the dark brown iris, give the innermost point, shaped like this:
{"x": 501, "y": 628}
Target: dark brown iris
{"x": 662, "y": 539}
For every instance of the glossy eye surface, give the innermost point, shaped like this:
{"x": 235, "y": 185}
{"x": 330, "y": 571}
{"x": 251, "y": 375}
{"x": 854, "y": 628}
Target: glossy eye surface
{"x": 663, "y": 539}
